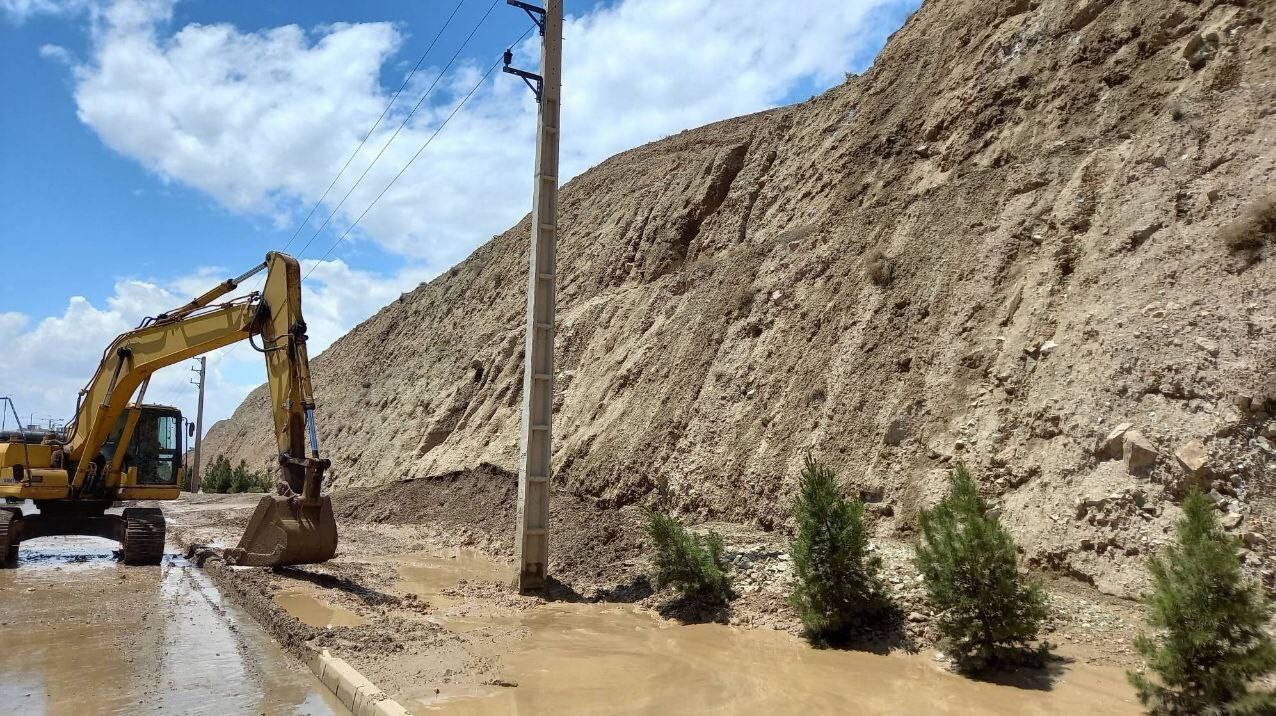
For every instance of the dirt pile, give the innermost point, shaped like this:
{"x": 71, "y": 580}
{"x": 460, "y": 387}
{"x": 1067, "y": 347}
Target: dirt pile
{"x": 599, "y": 549}
{"x": 1011, "y": 243}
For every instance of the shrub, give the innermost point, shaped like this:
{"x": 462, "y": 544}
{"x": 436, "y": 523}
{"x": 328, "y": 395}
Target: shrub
{"x": 879, "y": 267}
{"x": 1210, "y": 643}
{"x": 1255, "y": 225}
{"x": 838, "y": 580}
{"x": 692, "y": 564}
{"x": 241, "y": 480}
{"x": 217, "y": 476}
{"x": 989, "y": 612}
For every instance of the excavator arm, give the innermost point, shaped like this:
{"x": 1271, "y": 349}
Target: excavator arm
{"x": 295, "y": 524}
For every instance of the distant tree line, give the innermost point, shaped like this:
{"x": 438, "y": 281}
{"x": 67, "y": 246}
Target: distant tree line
{"x": 220, "y": 477}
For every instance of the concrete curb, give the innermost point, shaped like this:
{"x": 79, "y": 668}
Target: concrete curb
{"x": 361, "y": 696}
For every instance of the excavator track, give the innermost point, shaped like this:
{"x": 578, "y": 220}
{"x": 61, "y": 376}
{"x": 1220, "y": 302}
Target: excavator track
{"x": 143, "y": 536}
{"x": 9, "y": 523}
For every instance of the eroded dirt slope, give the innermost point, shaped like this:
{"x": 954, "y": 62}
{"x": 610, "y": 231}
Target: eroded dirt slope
{"x": 1046, "y": 182}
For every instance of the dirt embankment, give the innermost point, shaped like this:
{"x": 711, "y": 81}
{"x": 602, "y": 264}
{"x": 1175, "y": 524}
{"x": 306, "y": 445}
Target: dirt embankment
{"x": 598, "y": 551}
{"x": 1005, "y": 244}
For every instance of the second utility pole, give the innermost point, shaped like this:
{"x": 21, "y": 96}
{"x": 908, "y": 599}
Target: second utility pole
{"x": 531, "y": 544}
{"x": 193, "y": 480}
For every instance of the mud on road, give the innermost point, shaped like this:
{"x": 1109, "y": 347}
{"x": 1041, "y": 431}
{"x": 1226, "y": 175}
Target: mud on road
{"x": 83, "y": 634}
{"x": 417, "y": 599}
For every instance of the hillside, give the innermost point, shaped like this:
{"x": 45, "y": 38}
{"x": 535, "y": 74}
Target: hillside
{"x": 1025, "y": 226}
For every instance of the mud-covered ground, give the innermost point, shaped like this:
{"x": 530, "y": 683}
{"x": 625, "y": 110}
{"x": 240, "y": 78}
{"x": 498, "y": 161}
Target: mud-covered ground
{"x": 418, "y": 599}
{"x": 85, "y": 635}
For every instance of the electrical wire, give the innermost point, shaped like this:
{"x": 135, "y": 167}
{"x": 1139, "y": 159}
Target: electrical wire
{"x": 375, "y": 124}
{"x": 398, "y": 129}
{"x": 430, "y": 139}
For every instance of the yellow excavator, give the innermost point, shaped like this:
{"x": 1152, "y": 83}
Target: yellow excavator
{"x": 118, "y": 448}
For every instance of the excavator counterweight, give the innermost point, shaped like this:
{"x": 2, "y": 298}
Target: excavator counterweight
{"x": 118, "y": 448}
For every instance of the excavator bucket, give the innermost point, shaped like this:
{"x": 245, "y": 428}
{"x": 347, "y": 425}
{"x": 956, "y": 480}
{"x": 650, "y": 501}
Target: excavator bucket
{"x": 287, "y": 530}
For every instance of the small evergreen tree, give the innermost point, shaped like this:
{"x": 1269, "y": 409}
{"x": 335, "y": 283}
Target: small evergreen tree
{"x": 692, "y": 564}
{"x": 217, "y": 477}
{"x": 1211, "y": 642}
{"x": 838, "y": 581}
{"x": 260, "y": 482}
{"x": 989, "y": 612}
{"x": 241, "y": 480}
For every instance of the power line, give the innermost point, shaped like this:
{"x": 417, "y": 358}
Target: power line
{"x": 415, "y": 156}
{"x": 402, "y": 124}
{"x": 375, "y": 124}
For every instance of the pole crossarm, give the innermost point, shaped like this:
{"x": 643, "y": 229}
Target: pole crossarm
{"x": 534, "y": 81}
{"x": 536, "y": 13}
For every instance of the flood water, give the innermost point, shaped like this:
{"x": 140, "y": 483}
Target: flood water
{"x": 312, "y": 610}
{"x": 618, "y": 659}
{"x": 82, "y": 634}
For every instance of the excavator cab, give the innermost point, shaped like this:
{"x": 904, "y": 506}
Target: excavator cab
{"x": 153, "y": 455}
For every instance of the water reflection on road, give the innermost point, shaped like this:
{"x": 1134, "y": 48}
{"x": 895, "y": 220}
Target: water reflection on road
{"x": 83, "y": 634}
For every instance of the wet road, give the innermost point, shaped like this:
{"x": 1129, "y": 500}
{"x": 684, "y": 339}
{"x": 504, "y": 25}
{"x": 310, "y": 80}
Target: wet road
{"x": 83, "y": 634}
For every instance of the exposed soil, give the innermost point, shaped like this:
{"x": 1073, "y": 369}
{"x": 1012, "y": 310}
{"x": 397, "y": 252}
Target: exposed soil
{"x": 1006, "y": 244}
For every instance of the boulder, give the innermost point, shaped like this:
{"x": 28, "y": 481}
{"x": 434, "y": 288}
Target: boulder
{"x": 1137, "y": 451}
{"x": 1111, "y": 446}
{"x": 1254, "y": 540}
{"x": 1194, "y": 458}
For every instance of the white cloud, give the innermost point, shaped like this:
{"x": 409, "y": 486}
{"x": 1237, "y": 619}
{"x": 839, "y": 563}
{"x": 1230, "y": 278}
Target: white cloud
{"x": 57, "y": 53}
{"x": 19, "y": 11}
{"x": 261, "y": 121}
{"x": 46, "y": 363}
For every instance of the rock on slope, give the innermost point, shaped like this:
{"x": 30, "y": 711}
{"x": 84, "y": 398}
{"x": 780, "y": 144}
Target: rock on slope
{"x": 996, "y": 246}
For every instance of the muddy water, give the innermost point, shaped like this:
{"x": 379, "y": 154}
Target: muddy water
{"x": 314, "y": 611}
{"x": 82, "y": 634}
{"x": 618, "y": 659}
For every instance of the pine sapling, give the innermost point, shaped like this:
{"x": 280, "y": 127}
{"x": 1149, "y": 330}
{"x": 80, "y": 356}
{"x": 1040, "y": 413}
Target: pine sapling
{"x": 1209, "y": 642}
{"x": 838, "y": 583}
{"x": 692, "y": 564}
{"x": 990, "y": 613}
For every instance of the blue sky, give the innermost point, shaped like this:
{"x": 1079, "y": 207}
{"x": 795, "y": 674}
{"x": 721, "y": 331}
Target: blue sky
{"x": 66, "y": 191}
{"x": 152, "y": 147}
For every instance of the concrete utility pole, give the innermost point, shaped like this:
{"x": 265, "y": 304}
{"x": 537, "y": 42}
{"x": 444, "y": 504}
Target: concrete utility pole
{"x": 199, "y": 424}
{"x": 531, "y": 544}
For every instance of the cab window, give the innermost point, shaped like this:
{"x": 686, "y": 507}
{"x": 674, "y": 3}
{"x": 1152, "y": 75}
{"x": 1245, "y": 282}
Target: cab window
{"x": 155, "y": 449}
